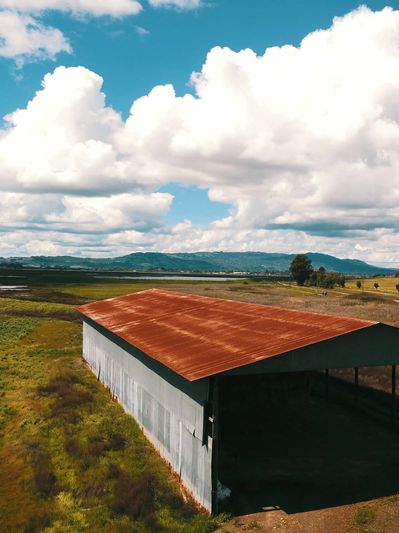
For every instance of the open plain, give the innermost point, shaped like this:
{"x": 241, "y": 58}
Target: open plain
{"x": 69, "y": 455}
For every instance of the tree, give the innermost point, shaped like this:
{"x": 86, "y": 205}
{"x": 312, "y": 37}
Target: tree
{"x": 358, "y": 284}
{"x": 331, "y": 279}
{"x": 301, "y": 268}
{"x": 397, "y": 286}
{"x": 321, "y": 276}
{"x": 376, "y": 285}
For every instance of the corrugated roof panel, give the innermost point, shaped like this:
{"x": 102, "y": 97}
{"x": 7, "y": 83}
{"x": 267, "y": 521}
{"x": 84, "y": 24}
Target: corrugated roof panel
{"x": 197, "y": 336}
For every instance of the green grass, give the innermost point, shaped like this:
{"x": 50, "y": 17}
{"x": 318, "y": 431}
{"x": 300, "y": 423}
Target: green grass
{"x": 102, "y": 291}
{"x": 387, "y": 285}
{"x": 12, "y": 305}
{"x": 12, "y": 329}
{"x": 27, "y": 308}
{"x": 112, "y": 288}
{"x": 364, "y": 516}
{"x": 71, "y": 459}
{"x": 68, "y": 454}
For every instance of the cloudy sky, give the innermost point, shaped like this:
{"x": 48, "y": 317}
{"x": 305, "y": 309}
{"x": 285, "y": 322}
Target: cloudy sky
{"x": 190, "y": 125}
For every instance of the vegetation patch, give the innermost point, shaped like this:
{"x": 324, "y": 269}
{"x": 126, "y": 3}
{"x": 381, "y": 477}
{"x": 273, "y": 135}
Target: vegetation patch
{"x": 13, "y": 305}
{"x": 67, "y": 452}
{"x": 69, "y": 397}
{"x": 14, "y": 329}
{"x": 367, "y": 297}
{"x": 61, "y": 434}
{"x": 386, "y": 284}
{"x": 253, "y": 524}
{"x": 101, "y": 291}
{"x": 134, "y": 497}
{"x": 364, "y": 516}
{"x": 38, "y": 522}
{"x": 43, "y": 472}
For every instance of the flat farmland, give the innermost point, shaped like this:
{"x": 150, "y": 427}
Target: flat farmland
{"x": 69, "y": 454}
{"x": 386, "y": 285}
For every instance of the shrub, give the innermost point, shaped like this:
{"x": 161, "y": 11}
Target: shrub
{"x": 364, "y": 516}
{"x": 397, "y": 286}
{"x": 99, "y": 444}
{"x": 326, "y": 280}
{"x": 91, "y": 487}
{"x": 37, "y": 523}
{"x": 253, "y": 524}
{"x": 73, "y": 398}
{"x": 68, "y": 396}
{"x": 70, "y": 516}
{"x": 72, "y": 447}
{"x": 117, "y": 441}
{"x": 113, "y": 471}
{"x": 43, "y": 473}
{"x": 59, "y": 383}
{"x": 174, "y": 500}
{"x": 376, "y": 285}
{"x": 358, "y": 284}
{"x": 96, "y": 445}
{"x": 134, "y": 497}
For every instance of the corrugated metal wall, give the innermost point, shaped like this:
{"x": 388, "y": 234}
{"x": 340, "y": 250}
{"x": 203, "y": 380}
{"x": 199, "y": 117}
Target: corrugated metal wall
{"x": 171, "y": 418}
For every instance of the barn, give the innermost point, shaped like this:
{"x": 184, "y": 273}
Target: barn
{"x": 178, "y": 362}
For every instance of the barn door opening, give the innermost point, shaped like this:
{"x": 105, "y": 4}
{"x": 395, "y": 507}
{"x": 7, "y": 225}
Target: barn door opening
{"x": 283, "y": 447}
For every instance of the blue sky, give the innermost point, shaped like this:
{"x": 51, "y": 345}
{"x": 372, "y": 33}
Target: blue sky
{"x": 133, "y": 53}
{"x": 177, "y": 45}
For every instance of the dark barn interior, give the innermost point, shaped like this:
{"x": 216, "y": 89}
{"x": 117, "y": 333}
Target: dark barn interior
{"x": 292, "y": 441}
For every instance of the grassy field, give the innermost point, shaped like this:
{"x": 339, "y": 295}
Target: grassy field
{"x": 71, "y": 459}
{"x": 387, "y": 285}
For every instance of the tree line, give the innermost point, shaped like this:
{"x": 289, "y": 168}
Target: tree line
{"x": 302, "y": 271}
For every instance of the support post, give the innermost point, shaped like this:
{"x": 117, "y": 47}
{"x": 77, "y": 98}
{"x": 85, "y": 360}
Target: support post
{"x": 327, "y": 384}
{"x": 393, "y": 399}
{"x": 356, "y": 387}
{"x": 215, "y": 443}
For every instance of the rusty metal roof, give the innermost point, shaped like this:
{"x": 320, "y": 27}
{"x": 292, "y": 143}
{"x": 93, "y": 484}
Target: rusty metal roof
{"x": 197, "y": 336}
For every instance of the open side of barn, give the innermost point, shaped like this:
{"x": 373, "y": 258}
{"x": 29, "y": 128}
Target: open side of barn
{"x": 175, "y": 361}
{"x": 301, "y": 451}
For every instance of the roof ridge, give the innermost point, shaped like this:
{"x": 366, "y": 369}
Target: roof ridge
{"x": 260, "y": 305}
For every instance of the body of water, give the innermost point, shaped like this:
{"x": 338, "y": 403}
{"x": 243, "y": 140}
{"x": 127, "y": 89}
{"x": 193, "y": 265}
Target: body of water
{"x": 12, "y": 287}
{"x": 170, "y": 277}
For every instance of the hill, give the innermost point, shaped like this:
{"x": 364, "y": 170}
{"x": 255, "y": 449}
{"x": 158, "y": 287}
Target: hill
{"x": 256, "y": 262}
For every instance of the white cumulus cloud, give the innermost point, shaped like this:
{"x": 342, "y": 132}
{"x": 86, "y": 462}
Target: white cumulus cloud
{"x": 303, "y": 138}
{"x": 180, "y": 4}
{"x": 141, "y": 212}
{"x": 24, "y": 37}
{"x": 301, "y": 141}
{"x": 91, "y": 7}
{"x": 83, "y": 215}
{"x": 67, "y": 137}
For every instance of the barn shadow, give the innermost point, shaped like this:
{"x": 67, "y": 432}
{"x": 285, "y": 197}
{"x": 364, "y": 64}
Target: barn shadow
{"x": 284, "y": 446}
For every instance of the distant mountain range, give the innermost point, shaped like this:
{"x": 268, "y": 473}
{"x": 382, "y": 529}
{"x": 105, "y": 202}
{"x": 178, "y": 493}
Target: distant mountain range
{"x": 207, "y": 262}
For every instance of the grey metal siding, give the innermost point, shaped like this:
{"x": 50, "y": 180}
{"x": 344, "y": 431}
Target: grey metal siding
{"x": 170, "y": 411}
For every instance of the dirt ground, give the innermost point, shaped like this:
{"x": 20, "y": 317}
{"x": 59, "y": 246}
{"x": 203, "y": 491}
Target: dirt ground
{"x": 343, "y": 302}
